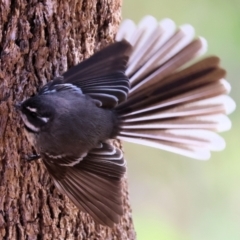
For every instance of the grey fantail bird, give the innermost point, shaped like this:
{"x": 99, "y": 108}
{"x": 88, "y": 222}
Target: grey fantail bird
{"x": 141, "y": 89}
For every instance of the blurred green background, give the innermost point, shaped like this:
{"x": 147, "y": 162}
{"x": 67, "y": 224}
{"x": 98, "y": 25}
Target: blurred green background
{"x": 173, "y": 197}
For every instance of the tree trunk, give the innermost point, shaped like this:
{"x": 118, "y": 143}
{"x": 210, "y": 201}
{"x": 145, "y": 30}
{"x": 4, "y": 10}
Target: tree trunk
{"x": 39, "y": 40}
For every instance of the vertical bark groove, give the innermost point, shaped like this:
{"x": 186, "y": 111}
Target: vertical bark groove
{"x": 39, "y": 40}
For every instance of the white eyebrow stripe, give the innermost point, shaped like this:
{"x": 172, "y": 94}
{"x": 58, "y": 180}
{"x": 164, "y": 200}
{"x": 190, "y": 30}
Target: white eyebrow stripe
{"x": 32, "y": 109}
{"x": 45, "y": 119}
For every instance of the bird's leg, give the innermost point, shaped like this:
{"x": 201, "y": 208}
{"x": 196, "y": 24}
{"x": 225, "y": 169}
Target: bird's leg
{"x": 32, "y": 157}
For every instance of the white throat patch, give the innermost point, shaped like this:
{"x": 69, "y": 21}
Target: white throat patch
{"x": 28, "y": 124}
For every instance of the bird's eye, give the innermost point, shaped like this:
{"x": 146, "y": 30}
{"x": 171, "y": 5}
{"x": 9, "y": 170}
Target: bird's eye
{"x": 33, "y": 114}
{"x": 32, "y": 111}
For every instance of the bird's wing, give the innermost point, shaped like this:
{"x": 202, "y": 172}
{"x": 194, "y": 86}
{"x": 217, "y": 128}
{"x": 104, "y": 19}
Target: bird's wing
{"x": 101, "y": 76}
{"x": 95, "y": 184}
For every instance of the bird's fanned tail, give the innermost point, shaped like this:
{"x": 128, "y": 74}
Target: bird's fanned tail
{"x": 175, "y": 102}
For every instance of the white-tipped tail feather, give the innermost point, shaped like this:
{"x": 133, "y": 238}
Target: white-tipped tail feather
{"x": 175, "y": 102}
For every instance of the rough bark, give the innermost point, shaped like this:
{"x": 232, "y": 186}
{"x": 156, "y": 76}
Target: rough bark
{"x": 39, "y": 40}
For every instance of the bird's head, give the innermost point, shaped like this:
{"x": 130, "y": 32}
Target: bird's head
{"x": 36, "y": 112}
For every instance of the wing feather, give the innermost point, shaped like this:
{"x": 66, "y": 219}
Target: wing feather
{"x": 94, "y": 184}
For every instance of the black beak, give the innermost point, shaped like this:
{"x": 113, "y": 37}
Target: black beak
{"x": 17, "y": 106}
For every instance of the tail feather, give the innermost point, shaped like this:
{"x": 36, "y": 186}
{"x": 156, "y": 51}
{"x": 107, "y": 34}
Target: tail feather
{"x": 182, "y": 149}
{"x": 199, "y": 74}
{"x": 150, "y": 74}
{"x": 173, "y": 104}
{"x": 161, "y": 33}
{"x": 188, "y": 137}
{"x": 163, "y": 101}
{"x": 218, "y": 122}
{"x": 191, "y": 143}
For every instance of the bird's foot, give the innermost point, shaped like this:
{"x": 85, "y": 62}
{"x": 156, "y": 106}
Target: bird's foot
{"x": 32, "y": 157}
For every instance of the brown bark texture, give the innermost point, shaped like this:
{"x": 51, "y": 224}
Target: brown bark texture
{"x": 39, "y": 40}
